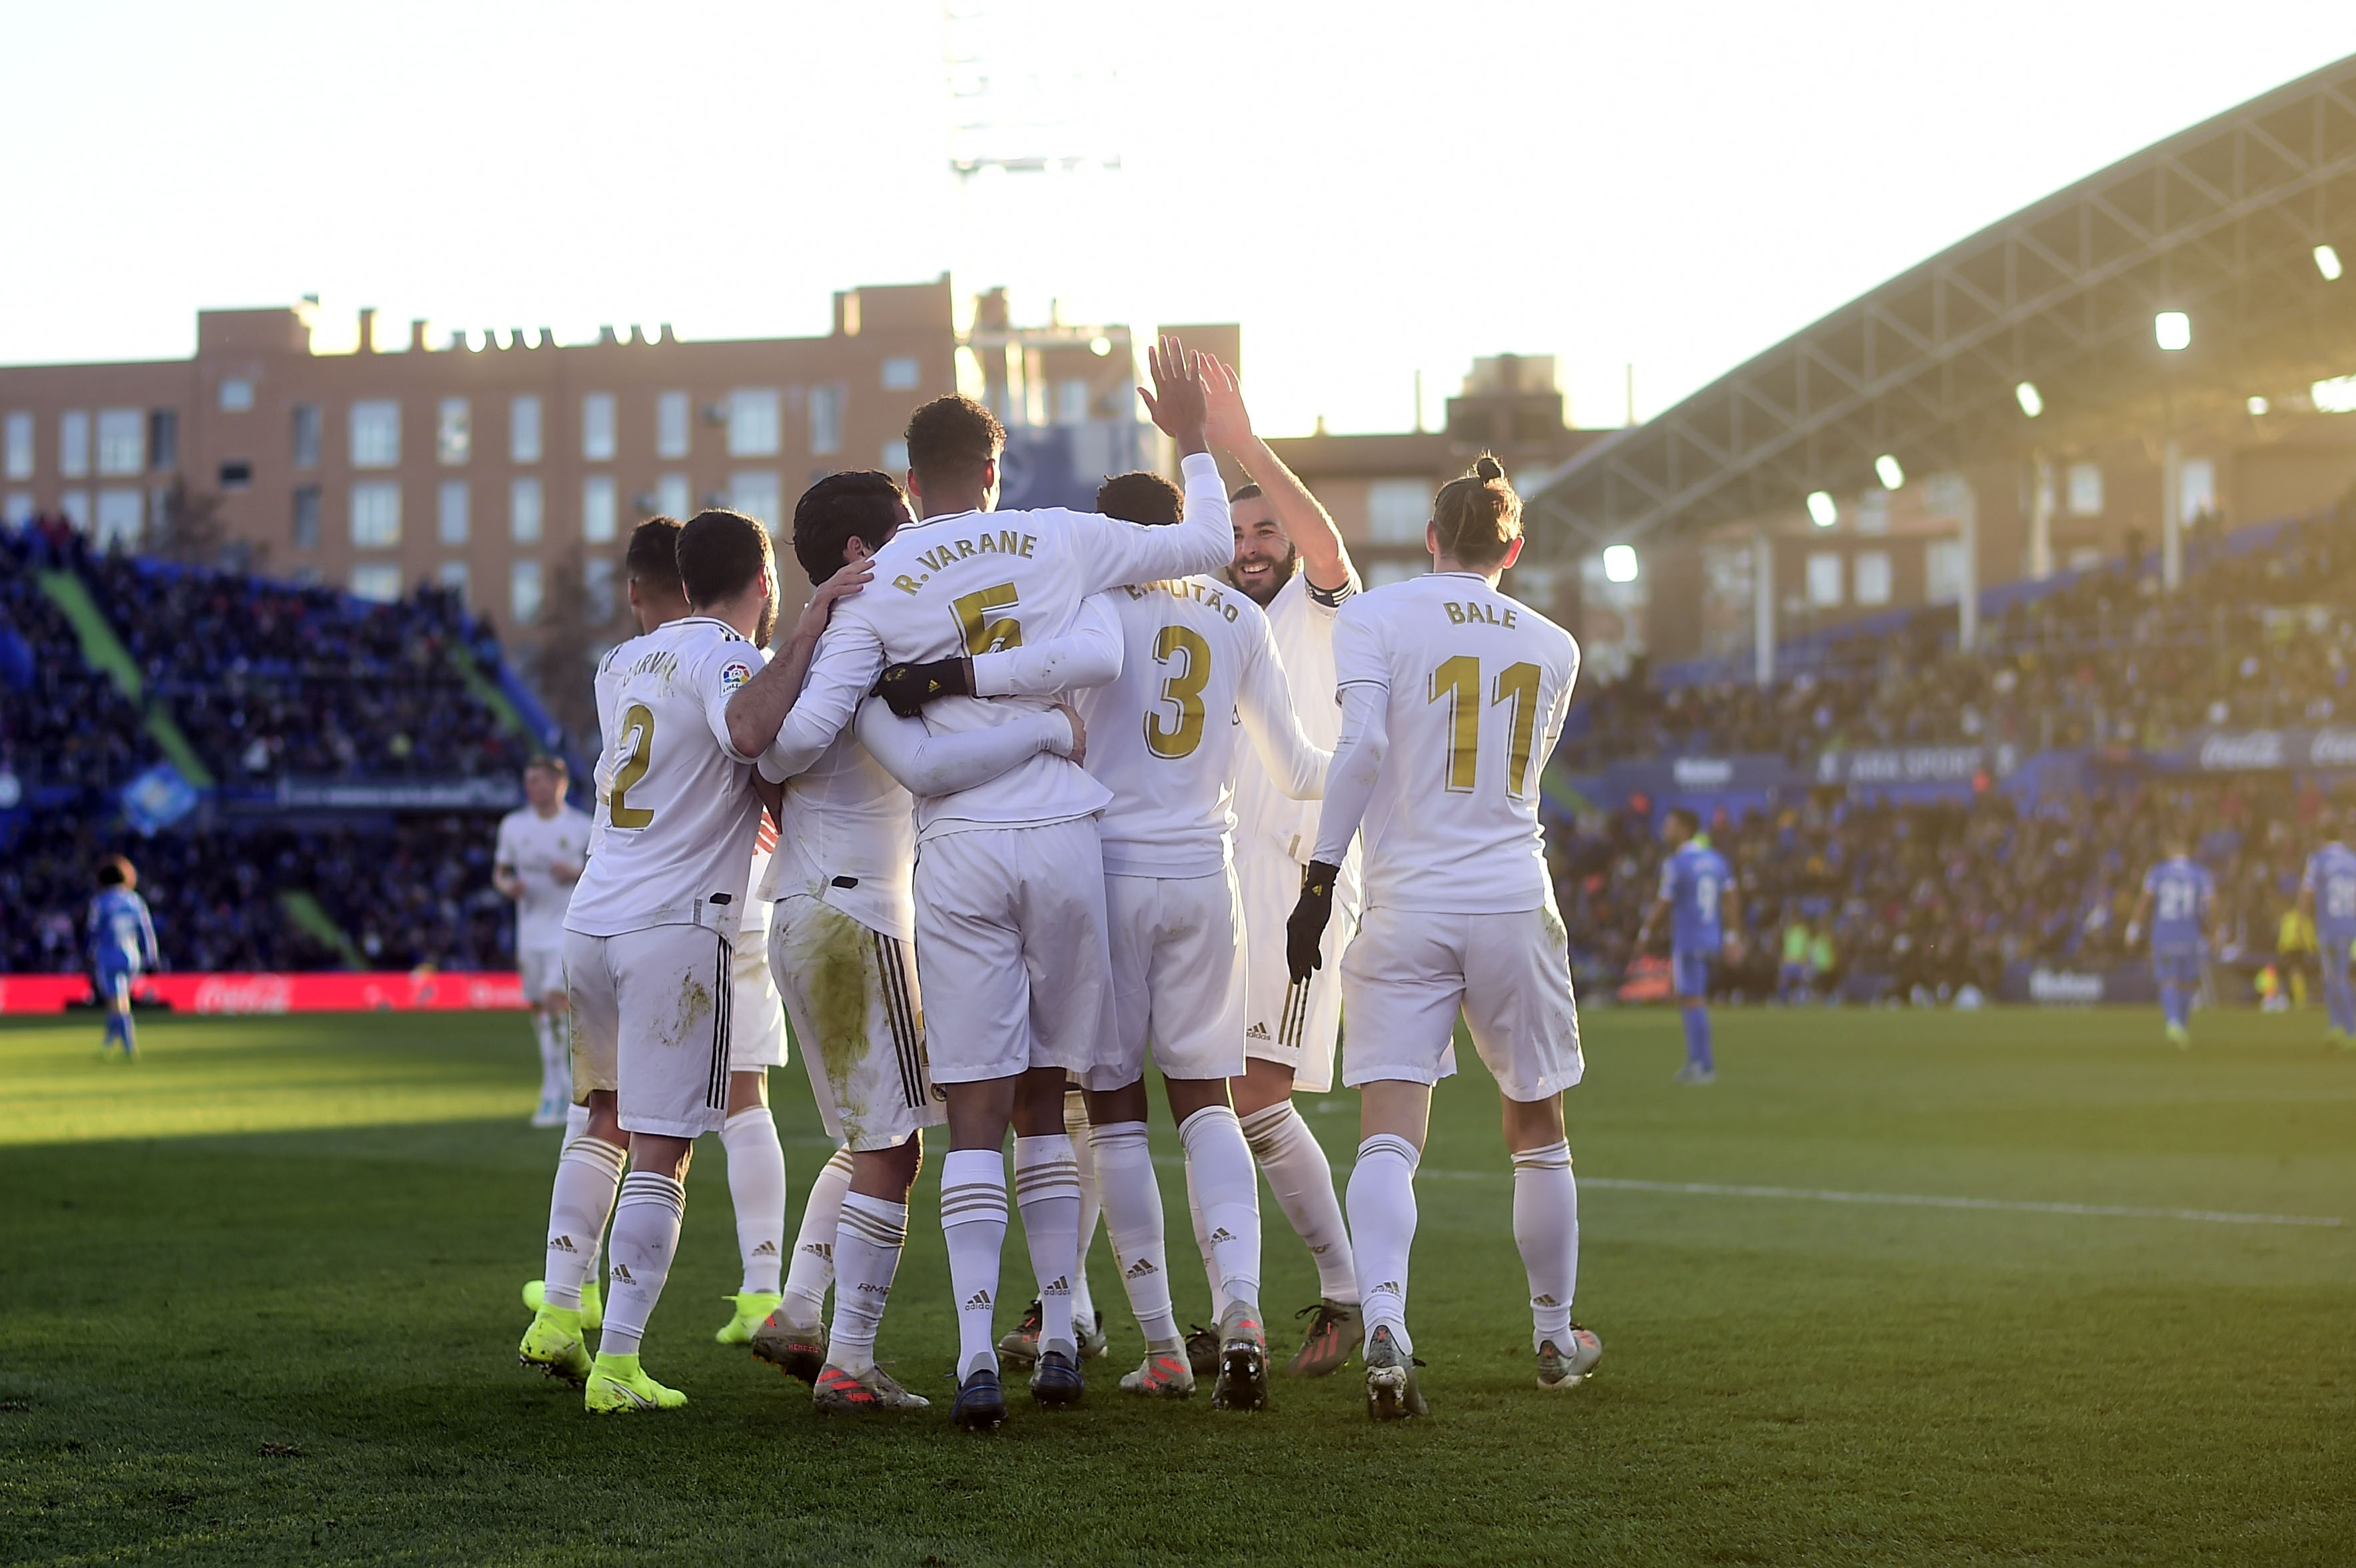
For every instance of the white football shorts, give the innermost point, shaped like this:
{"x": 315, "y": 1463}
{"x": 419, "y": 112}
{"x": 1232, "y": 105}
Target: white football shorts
{"x": 1011, "y": 925}
{"x": 542, "y": 972}
{"x": 1409, "y": 972}
{"x": 649, "y": 1021}
{"x": 852, "y": 993}
{"x": 1177, "y": 978}
{"x": 756, "y": 1034}
{"x": 1293, "y": 1025}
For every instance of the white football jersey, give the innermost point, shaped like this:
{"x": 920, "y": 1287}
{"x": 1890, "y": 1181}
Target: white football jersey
{"x": 1198, "y": 668}
{"x": 971, "y": 583}
{"x": 680, "y": 814}
{"x": 1478, "y": 685}
{"x": 1301, "y": 622}
{"x": 529, "y": 844}
{"x": 849, "y": 839}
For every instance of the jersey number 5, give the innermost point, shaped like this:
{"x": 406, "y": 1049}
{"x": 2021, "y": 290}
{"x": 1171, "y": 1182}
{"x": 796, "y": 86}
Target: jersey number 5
{"x": 1459, "y": 682}
{"x": 1182, "y": 691}
{"x": 639, "y": 747}
{"x": 985, "y": 633}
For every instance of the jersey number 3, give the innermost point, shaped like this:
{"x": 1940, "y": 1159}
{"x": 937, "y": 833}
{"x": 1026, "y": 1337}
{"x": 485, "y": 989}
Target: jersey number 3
{"x": 638, "y": 744}
{"x": 1182, "y": 691}
{"x": 1458, "y": 681}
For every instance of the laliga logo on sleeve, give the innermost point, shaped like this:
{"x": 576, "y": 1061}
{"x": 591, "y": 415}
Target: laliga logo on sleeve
{"x": 734, "y": 675}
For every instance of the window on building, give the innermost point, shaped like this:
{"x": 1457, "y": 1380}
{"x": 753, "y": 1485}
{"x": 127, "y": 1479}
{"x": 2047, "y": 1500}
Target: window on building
{"x": 1396, "y": 510}
{"x": 307, "y": 435}
{"x": 523, "y": 429}
{"x": 1871, "y": 576}
{"x": 597, "y": 587}
{"x": 376, "y": 515}
{"x": 236, "y": 395}
{"x": 597, "y": 427}
{"x": 1943, "y": 570}
{"x": 2085, "y": 489}
{"x": 121, "y": 441}
{"x": 306, "y": 517}
{"x": 73, "y": 444}
{"x": 377, "y": 580}
{"x": 598, "y": 508}
{"x": 453, "y": 576}
{"x": 236, "y": 474}
{"x": 901, "y": 373}
{"x": 1824, "y": 579}
{"x": 454, "y": 431}
{"x": 119, "y": 513}
{"x": 19, "y": 444}
{"x": 753, "y": 428}
{"x": 452, "y": 524}
{"x": 524, "y": 592}
{"x": 524, "y": 511}
{"x": 1071, "y": 400}
{"x": 376, "y": 433}
{"x": 674, "y": 496}
{"x": 895, "y": 456}
{"x": 163, "y": 439}
{"x": 671, "y": 414}
{"x": 755, "y": 492}
{"x": 2196, "y": 494}
{"x": 1387, "y": 571}
{"x": 16, "y": 508}
{"x": 826, "y": 407}
{"x": 75, "y": 505}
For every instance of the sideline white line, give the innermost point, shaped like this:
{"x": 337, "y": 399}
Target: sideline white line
{"x": 1821, "y": 1195}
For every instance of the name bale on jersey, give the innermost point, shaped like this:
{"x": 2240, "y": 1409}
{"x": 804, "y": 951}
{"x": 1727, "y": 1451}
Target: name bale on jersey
{"x": 1204, "y": 593}
{"x": 1005, "y": 542}
{"x": 1473, "y": 610}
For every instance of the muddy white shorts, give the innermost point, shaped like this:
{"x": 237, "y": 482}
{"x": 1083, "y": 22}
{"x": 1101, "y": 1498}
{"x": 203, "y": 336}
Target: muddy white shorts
{"x": 649, "y": 1021}
{"x": 542, "y": 970}
{"x": 852, "y": 993}
{"x": 1293, "y": 1025}
{"x": 1177, "y": 978}
{"x": 1411, "y": 971}
{"x": 756, "y": 1033}
{"x": 1010, "y": 936}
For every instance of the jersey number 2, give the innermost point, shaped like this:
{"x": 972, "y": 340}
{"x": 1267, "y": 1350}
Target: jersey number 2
{"x": 638, "y": 739}
{"x": 1182, "y": 691}
{"x": 1459, "y": 682}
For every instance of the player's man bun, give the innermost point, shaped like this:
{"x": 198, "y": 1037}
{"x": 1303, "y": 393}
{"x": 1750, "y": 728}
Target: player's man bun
{"x": 951, "y": 440}
{"x": 721, "y": 554}
{"x": 651, "y": 560}
{"x": 862, "y": 504}
{"x": 1477, "y": 518}
{"x": 1138, "y": 496}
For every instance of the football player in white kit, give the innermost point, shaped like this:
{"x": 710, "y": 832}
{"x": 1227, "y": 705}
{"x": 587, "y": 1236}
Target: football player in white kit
{"x": 647, "y": 955}
{"x": 1290, "y": 560}
{"x": 1009, "y": 885}
{"x": 542, "y": 846}
{"x": 1452, "y": 696}
{"x": 840, "y": 947}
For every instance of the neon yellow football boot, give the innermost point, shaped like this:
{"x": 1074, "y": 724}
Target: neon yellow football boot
{"x": 593, "y": 1303}
{"x": 619, "y": 1386}
{"x": 753, "y": 1308}
{"x": 554, "y": 1344}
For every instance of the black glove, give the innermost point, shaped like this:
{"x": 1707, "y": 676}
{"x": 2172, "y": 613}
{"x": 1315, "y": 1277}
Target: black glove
{"x": 1304, "y": 934}
{"x": 907, "y": 688}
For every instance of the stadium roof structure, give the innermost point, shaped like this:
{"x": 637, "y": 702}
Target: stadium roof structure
{"x": 2220, "y": 221}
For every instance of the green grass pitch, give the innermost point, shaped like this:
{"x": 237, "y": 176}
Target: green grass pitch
{"x": 258, "y": 1304}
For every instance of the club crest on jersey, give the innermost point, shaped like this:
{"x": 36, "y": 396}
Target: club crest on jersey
{"x": 734, "y": 674}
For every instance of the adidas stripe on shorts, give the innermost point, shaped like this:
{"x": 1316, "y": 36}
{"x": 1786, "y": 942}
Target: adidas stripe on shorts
{"x": 1409, "y": 972}
{"x": 852, "y": 993}
{"x": 1177, "y": 978}
{"x": 649, "y": 1021}
{"x": 1294, "y": 1025}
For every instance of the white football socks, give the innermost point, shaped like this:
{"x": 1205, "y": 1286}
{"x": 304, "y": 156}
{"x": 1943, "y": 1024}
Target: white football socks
{"x": 1076, "y": 1127}
{"x": 579, "y": 1201}
{"x": 645, "y": 1237}
{"x": 1228, "y": 1187}
{"x": 813, "y": 1266}
{"x": 1545, "y": 1228}
{"x": 757, "y": 1187}
{"x": 1048, "y": 1190}
{"x": 1203, "y": 1244}
{"x": 1133, "y": 1207}
{"x": 555, "y": 1057}
{"x": 973, "y": 1222}
{"x": 866, "y": 1256}
{"x": 1301, "y": 1178}
{"x": 1382, "y": 1224}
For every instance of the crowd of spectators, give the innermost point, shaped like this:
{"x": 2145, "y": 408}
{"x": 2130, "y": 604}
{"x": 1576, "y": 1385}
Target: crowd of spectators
{"x": 60, "y": 722}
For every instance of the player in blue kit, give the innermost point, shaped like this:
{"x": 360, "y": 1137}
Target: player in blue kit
{"x": 2180, "y": 897}
{"x": 122, "y": 944}
{"x": 2327, "y": 895}
{"x": 1705, "y": 920}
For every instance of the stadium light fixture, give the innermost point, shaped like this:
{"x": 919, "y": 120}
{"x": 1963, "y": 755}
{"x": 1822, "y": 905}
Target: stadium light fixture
{"x": 1620, "y": 563}
{"x": 1821, "y": 510}
{"x": 2337, "y": 395}
{"x": 2327, "y": 261}
{"x": 2031, "y": 403}
{"x": 2258, "y": 405}
{"x": 2173, "y": 330}
{"x": 1100, "y": 345}
{"x": 1886, "y": 467}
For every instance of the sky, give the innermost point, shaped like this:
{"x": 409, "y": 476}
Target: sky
{"x": 1372, "y": 191}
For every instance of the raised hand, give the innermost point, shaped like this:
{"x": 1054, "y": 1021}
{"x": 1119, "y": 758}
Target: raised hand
{"x": 1228, "y": 422}
{"x": 1177, "y": 400}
